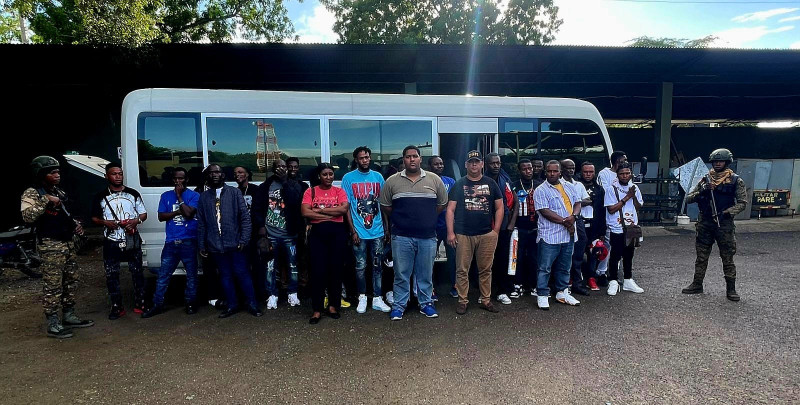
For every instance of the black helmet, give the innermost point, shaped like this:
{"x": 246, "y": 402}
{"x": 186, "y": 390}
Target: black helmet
{"x": 42, "y": 163}
{"x": 721, "y": 154}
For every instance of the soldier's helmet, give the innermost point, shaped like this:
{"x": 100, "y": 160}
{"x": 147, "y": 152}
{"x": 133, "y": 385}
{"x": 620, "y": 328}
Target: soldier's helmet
{"x": 721, "y": 154}
{"x": 42, "y": 163}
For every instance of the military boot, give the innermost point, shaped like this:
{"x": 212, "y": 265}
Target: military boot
{"x": 731, "y": 289}
{"x": 695, "y": 288}
{"x": 55, "y": 329}
{"x": 73, "y": 321}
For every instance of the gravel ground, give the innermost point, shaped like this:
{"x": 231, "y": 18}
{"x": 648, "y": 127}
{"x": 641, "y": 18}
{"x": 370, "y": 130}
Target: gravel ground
{"x": 657, "y": 347}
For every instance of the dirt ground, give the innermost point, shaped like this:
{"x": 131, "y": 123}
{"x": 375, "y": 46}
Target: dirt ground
{"x": 657, "y": 347}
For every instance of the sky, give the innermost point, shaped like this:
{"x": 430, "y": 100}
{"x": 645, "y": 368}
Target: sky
{"x": 736, "y": 23}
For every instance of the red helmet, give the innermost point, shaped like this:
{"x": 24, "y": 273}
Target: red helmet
{"x": 599, "y": 249}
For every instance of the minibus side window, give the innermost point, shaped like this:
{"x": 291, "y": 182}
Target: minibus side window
{"x": 166, "y": 141}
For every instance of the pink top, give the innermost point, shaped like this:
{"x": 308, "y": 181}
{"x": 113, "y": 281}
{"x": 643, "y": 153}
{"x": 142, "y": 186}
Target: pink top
{"x": 331, "y": 197}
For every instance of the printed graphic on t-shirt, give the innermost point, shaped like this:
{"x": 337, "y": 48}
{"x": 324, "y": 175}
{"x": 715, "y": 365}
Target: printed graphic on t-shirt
{"x": 367, "y": 206}
{"x": 276, "y": 217}
{"x": 248, "y": 199}
{"x": 126, "y": 206}
{"x": 177, "y": 219}
{"x": 476, "y": 198}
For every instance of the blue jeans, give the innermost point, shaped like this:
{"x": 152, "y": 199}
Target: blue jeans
{"x": 561, "y": 255}
{"x": 412, "y": 256}
{"x": 233, "y": 265}
{"x": 289, "y": 247}
{"x": 183, "y": 250}
{"x": 375, "y": 248}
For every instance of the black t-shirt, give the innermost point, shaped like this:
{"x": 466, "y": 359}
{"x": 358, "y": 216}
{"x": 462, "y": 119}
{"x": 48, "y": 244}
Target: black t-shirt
{"x": 474, "y": 205}
{"x": 526, "y": 213}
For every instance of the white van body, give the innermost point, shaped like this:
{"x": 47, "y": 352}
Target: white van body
{"x": 456, "y": 124}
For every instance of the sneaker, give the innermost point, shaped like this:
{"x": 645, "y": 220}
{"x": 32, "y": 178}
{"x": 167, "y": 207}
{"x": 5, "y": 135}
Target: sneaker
{"x": 344, "y": 303}
{"x": 514, "y": 294}
{"x": 613, "y": 287}
{"x": 272, "y": 302}
{"x": 543, "y": 303}
{"x": 379, "y": 305}
{"x": 396, "y": 315}
{"x": 293, "y": 300}
{"x": 325, "y": 302}
{"x": 517, "y": 291}
{"x": 388, "y": 263}
{"x": 390, "y": 298}
{"x": 429, "y": 311}
{"x": 157, "y": 309}
{"x": 503, "y": 299}
{"x": 362, "y": 304}
{"x": 565, "y": 298}
{"x": 117, "y": 311}
{"x": 629, "y": 285}
{"x": 533, "y": 293}
{"x": 435, "y": 297}
{"x": 454, "y": 292}
{"x": 592, "y": 284}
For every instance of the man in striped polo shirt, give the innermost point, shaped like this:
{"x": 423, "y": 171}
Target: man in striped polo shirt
{"x": 558, "y": 205}
{"x": 411, "y": 201}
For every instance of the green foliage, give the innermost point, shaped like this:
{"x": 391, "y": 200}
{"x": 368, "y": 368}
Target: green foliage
{"x": 650, "y": 42}
{"x": 138, "y": 22}
{"x": 9, "y": 28}
{"x": 530, "y": 22}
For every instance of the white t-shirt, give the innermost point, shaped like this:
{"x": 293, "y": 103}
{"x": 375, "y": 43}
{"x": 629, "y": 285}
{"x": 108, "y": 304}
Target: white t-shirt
{"x": 580, "y": 189}
{"x": 606, "y": 177}
{"x": 628, "y": 210}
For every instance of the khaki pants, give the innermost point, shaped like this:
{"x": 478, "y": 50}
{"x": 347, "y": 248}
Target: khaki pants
{"x": 482, "y": 248}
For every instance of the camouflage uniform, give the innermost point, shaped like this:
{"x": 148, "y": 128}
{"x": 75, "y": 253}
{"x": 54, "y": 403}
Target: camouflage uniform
{"x": 59, "y": 270}
{"x": 708, "y": 232}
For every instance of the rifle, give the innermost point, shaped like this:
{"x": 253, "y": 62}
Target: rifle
{"x": 713, "y": 201}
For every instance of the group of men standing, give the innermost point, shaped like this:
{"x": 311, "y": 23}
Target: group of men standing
{"x": 564, "y": 227}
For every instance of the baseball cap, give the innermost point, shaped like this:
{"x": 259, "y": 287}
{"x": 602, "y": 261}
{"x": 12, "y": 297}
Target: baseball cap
{"x": 474, "y": 154}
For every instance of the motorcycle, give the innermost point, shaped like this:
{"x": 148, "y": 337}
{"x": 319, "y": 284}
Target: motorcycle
{"x": 18, "y": 251}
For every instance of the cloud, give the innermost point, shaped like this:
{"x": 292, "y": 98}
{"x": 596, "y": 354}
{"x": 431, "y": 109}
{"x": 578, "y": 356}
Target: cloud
{"x": 317, "y": 27}
{"x": 795, "y": 45}
{"x": 763, "y": 15}
{"x": 595, "y": 22}
{"x": 740, "y": 37}
{"x": 787, "y": 19}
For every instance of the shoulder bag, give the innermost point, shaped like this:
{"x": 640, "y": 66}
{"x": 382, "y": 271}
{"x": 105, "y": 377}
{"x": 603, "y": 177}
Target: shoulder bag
{"x": 633, "y": 232}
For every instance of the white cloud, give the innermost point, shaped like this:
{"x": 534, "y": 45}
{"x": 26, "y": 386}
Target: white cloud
{"x": 795, "y": 45}
{"x": 317, "y": 27}
{"x": 741, "y": 37}
{"x": 763, "y": 15}
{"x": 787, "y": 19}
{"x": 595, "y": 22}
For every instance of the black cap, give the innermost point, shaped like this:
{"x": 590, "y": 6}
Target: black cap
{"x": 474, "y": 154}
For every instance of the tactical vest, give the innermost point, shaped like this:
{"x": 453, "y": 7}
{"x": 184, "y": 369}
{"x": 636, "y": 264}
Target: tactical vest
{"x": 724, "y": 196}
{"x": 54, "y": 223}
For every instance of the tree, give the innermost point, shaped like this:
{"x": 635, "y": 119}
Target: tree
{"x": 530, "y": 22}
{"x": 137, "y": 22}
{"x": 9, "y": 28}
{"x": 650, "y": 42}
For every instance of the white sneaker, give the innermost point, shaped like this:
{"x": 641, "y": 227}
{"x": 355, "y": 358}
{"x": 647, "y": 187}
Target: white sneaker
{"x": 503, "y": 299}
{"x": 543, "y": 303}
{"x": 565, "y": 298}
{"x": 272, "y": 302}
{"x": 533, "y": 293}
{"x": 629, "y": 285}
{"x": 379, "y": 305}
{"x": 293, "y": 300}
{"x": 390, "y": 298}
{"x": 613, "y": 287}
{"x": 362, "y": 304}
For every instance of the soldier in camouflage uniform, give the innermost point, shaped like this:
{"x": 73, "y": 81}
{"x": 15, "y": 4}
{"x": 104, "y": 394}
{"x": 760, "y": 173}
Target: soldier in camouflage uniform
{"x": 729, "y": 198}
{"x": 44, "y": 206}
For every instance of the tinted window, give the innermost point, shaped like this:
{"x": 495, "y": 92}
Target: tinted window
{"x": 255, "y": 143}
{"x": 166, "y": 141}
{"x": 386, "y": 139}
{"x": 579, "y": 140}
{"x": 518, "y": 139}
